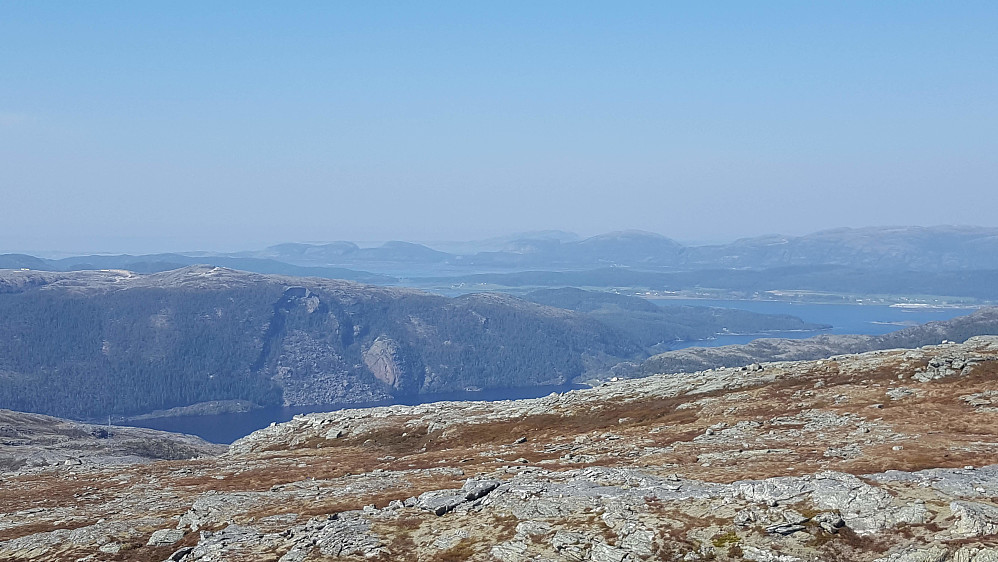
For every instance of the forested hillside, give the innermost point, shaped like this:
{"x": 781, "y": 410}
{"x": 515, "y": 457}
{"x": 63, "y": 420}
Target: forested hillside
{"x": 92, "y": 343}
{"x": 657, "y": 326}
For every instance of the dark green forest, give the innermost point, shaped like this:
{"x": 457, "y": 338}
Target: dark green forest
{"x": 86, "y": 353}
{"x": 131, "y": 351}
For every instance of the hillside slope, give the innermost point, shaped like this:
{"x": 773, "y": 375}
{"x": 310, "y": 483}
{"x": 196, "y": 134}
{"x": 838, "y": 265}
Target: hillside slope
{"x": 92, "y": 343}
{"x": 882, "y": 248}
{"x": 655, "y": 325}
{"x": 33, "y": 440}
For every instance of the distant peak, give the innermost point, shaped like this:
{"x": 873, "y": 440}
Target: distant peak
{"x": 631, "y": 237}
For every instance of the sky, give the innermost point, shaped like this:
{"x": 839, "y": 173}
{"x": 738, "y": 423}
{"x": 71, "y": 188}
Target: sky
{"x": 168, "y": 126}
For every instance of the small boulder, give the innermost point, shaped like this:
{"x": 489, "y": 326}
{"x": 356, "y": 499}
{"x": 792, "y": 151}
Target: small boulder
{"x": 974, "y": 519}
{"x": 474, "y": 489}
{"x": 165, "y": 537}
{"x": 111, "y": 548}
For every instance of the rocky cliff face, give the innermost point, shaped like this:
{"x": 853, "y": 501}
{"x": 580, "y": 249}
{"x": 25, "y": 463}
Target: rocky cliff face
{"x": 885, "y": 456}
{"x": 384, "y": 358}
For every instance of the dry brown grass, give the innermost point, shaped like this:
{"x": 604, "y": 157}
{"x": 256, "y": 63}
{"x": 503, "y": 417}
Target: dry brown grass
{"x": 55, "y": 490}
{"x": 554, "y": 428}
{"x": 401, "y": 549}
{"x": 139, "y": 552}
{"x": 413, "y": 486}
{"x": 844, "y": 544}
{"x": 39, "y": 527}
{"x": 282, "y": 469}
{"x": 504, "y": 526}
{"x": 595, "y": 524}
{"x": 465, "y": 550}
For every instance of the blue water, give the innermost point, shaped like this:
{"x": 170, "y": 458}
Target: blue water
{"x": 872, "y": 320}
{"x": 226, "y": 428}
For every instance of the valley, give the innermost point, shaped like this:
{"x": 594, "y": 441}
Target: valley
{"x": 90, "y": 344}
{"x": 498, "y": 282}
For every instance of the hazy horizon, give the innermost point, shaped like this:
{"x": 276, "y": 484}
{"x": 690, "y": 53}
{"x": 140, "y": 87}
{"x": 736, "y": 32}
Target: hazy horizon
{"x": 153, "y": 127}
{"x": 452, "y": 246}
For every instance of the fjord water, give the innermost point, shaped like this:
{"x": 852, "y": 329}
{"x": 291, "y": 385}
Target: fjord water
{"x": 844, "y": 319}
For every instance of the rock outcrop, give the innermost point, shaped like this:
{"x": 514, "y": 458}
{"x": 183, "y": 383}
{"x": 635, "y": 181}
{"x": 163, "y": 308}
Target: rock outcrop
{"x": 858, "y": 457}
{"x": 33, "y": 442}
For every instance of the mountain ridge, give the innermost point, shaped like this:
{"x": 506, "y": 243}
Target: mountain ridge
{"x": 913, "y": 248}
{"x": 91, "y": 343}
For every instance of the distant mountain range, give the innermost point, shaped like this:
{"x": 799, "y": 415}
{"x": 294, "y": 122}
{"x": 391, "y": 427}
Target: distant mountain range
{"x": 945, "y": 261}
{"x": 155, "y": 263}
{"x": 940, "y": 248}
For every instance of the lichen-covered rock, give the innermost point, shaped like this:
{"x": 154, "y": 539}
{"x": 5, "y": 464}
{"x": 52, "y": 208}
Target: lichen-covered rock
{"x": 165, "y": 537}
{"x": 974, "y": 554}
{"x": 974, "y": 519}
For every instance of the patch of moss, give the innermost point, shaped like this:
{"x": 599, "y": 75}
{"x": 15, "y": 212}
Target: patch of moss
{"x": 722, "y": 540}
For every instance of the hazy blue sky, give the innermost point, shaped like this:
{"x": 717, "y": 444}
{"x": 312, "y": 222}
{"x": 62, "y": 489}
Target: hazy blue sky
{"x": 141, "y": 126}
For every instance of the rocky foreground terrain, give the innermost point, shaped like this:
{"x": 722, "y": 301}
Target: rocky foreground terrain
{"x": 885, "y": 456}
